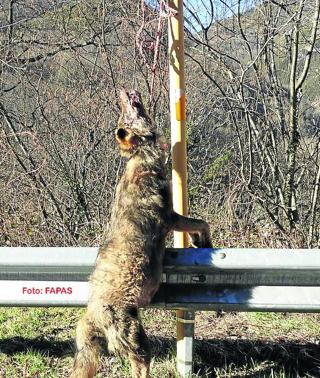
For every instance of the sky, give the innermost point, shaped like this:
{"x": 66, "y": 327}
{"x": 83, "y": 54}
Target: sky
{"x": 207, "y": 10}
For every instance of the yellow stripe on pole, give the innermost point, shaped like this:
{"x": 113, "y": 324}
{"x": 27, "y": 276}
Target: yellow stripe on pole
{"x": 180, "y": 106}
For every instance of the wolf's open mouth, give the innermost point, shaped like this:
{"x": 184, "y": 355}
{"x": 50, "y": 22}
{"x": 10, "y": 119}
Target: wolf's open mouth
{"x": 134, "y": 100}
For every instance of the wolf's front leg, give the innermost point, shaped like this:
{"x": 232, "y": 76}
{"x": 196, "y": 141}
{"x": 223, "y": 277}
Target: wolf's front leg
{"x": 198, "y": 229}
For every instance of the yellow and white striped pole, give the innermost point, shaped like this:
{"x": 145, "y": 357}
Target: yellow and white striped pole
{"x": 185, "y": 319}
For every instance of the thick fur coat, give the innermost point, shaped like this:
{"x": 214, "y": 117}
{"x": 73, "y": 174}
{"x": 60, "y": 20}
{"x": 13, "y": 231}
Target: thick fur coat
{"x": 129, "y": 265}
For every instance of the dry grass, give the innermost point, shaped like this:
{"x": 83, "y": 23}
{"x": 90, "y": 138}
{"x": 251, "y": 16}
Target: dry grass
{"x": 258, "y": 345}
{"x": 39, "y": 343}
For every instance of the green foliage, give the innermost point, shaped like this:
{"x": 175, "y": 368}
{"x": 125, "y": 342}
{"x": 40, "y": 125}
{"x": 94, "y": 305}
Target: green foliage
{"x": 217, "y": 166}
{"x": 283, "y": 323}
{"x": 215, "y": 169}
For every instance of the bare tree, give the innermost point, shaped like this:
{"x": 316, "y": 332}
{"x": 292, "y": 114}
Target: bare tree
{"x": 257, "y": 59}
{"x": 61, "y": 65}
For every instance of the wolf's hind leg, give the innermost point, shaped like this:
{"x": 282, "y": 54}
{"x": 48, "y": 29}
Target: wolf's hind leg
{"x": 88, "y": 349}
{"x": 127, "y": 336}
{"x": 140, "y": 357}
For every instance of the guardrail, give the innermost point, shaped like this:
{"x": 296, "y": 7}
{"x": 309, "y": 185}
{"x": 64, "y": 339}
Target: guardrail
{"x": 193, "y": 279}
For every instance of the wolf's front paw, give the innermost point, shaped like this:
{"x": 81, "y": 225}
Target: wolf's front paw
{"x": 201, "y": 240}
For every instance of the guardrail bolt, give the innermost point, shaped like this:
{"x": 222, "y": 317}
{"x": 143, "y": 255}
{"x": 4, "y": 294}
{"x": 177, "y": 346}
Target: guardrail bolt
{"x": 222, "y": 255}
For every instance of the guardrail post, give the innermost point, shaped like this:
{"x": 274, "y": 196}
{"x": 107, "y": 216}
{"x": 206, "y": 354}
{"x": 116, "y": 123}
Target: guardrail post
{"x": 185, "y": 319}
{"x": 185, "y": 334}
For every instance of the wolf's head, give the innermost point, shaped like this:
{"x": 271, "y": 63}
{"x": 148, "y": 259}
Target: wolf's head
{"x": 135, "y": 128}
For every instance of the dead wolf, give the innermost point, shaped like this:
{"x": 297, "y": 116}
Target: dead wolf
{"x": 129, "y": 264}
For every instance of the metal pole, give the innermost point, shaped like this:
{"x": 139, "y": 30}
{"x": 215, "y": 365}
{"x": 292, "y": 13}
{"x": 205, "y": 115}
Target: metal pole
{"x": 185, "y": 319}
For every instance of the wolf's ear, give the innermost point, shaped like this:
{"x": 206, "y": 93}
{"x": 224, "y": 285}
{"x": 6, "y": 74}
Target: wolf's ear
{"x": 124, "y": 100}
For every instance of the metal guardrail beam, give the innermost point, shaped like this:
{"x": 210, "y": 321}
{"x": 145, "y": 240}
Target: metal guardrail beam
{"x": 201, "y": 279}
